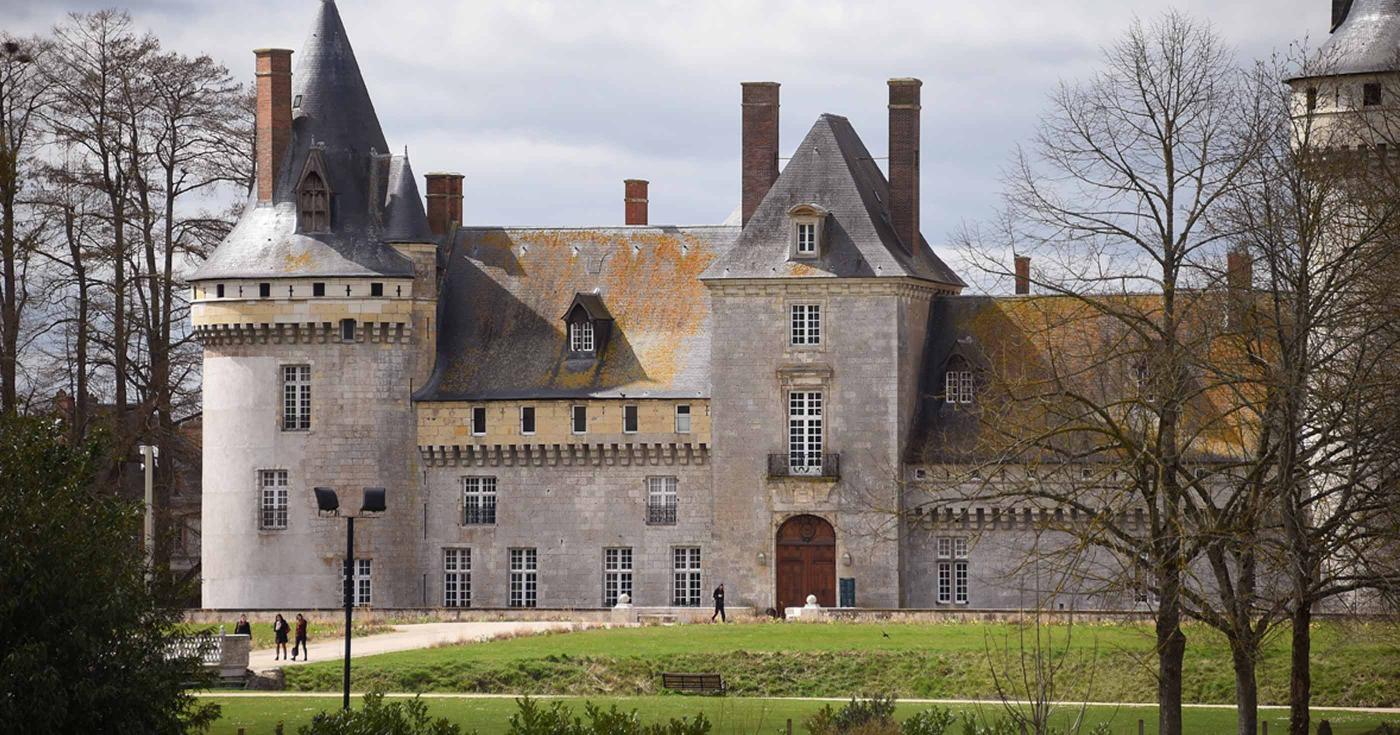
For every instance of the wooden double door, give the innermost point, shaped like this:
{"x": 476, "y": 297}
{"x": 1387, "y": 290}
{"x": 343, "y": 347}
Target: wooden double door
{"x": 806, "y": 562}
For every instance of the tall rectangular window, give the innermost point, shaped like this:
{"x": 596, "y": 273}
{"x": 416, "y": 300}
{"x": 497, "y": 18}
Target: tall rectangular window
{"x": 347, "y": 330}
{"x": 362, "y": 586}
{"x": 952, "y": 570}
{"x": 685, "y": 579}
{"x": 478, "y": 421}
{"x": 456, "y": 577}
{"x": 581, "y": 336}
{"x": 527, "y": 420}
{"x": 661, "y": 501}
{"x": 806, "y": 238}
{"x": 617, "y": 574}
{"x": 296, "y": 397}
{"x": 806, "y": 324}
{"x": 683, "y": 418}
{"x": 478, "y": 501}
{"x": 580, "y": 419}
{"x": 805, "y": 432}
{"x": 629, "y": 419}
{"x": 524, "y": 583}
{"x": 272, "y": 504}
{"x": 957, "y": 386}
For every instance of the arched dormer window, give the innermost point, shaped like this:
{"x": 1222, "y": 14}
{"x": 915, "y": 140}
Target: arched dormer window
{"x": 313, "y": 196}
{"x": 808, "y": 238}
{"x": 588, "y": 324}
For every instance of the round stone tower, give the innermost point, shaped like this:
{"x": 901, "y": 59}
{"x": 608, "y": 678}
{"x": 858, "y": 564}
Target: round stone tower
{"x": 1348, "y": 95}
{"x": 317, "y": 315}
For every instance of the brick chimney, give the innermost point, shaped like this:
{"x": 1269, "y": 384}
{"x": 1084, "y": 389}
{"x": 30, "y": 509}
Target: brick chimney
{"x": 760, "y": 143}
{"x": 1239, "y": 279}
{"x": 904, "y": 160}
{"x": 274, "y": 115}
{"x": 634, "y": 201}
{"x": 1023, "y": 274}
{"x": 1340, "y": 10}
{"x": 444, "y": 201}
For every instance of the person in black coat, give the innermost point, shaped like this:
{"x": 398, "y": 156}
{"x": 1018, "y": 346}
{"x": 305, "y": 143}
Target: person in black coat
{"x": 719, "y": 604}
{"x": 280, "y": 630}
{"x": 242, "y": 627}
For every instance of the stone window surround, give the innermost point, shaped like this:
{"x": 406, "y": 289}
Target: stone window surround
{"x": 807, "y": 214}
{"x": 823, "y": 324}
{"x": 811, "y": 377}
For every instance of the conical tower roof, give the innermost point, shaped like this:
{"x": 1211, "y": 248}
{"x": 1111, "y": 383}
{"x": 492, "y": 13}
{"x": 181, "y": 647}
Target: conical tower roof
{"x": 333, "y": 121}
{"x": 1367, "y": 41}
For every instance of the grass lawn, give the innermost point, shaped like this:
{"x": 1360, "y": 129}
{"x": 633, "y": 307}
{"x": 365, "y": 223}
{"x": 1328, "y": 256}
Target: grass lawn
{"x": 1354, "y": 664}
{"x": 259, "y": 715}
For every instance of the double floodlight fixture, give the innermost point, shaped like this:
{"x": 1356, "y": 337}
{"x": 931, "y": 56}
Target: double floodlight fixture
{"x": 328, "y": 502}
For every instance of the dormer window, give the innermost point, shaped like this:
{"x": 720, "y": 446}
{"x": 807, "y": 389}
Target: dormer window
{"x": 958, "y": 384}
{"x": 581, "y": 336}
{"x": 313, "y": 196}
{"x": 808, "y": 225}
{"x": 806, "y": 238}
{"x": 588, "y": 324}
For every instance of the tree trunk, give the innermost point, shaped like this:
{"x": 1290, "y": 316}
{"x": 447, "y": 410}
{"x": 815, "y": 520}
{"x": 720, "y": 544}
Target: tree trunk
{"x": 1246, "y": 687}
{"x": 9, "y": 305}
{"x": 1171, "y": 654}
{"x": 1300, "y": 676}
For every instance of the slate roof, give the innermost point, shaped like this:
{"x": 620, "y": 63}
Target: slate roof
{"x": 507, "y": 290}
{"x": 332, "y": 112}
{"x": 1367, "y": 41}
{"x": 1036, "y": 345}
{"x": 831, "y": 169}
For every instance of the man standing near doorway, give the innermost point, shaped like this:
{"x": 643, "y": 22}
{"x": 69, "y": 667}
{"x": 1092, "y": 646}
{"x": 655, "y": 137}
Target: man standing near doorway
{"x": 719, "y": 604}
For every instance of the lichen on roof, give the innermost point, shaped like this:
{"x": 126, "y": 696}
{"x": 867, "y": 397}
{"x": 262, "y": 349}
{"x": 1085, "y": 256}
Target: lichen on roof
{"x": 507, "y": 291}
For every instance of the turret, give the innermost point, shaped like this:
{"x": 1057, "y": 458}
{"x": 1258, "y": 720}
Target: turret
{"x": 1349, "y": 94}
{"x": 316, "y": 316}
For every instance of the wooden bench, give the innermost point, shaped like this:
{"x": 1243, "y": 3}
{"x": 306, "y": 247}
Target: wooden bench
{"x": 693, "y": 683}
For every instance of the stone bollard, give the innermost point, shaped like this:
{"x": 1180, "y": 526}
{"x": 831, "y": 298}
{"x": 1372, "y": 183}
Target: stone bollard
{"x": 623, "y": 613}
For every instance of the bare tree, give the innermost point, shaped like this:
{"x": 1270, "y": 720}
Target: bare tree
{"x": 22, "y": 98}
{"x": 1113, "y": 200}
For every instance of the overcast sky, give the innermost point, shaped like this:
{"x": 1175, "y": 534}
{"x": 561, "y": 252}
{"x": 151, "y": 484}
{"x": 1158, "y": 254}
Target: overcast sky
{"x": 547, "y": 106}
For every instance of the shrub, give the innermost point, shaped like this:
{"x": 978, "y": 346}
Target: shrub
{"x": 409, "y": 717}
{"x": 557, "y": 719}
{"x": 932, "y": 721}
{"x": 871, "y": 716}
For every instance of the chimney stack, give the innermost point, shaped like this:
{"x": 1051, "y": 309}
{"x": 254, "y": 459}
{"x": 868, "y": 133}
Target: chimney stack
{"x": 760, "y": 143}
{"x": 1239, "y": 279}
{"x": 274, "y": 116}
{"x": 904, "y": 160}
{"x": 444, "y": 201}
{"x": 1340, "y": 10}
{"x": 634, "y": 201}
{"x": 1023, "y": 275}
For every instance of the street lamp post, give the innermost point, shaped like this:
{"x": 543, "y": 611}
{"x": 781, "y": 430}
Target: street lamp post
{"x": 328, "y": 504}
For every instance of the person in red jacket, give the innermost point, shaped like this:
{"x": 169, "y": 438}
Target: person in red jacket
{"x": 301, "y": 642}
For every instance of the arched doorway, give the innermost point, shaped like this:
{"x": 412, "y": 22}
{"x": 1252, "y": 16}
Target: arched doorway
{"x": 806, "y": 562}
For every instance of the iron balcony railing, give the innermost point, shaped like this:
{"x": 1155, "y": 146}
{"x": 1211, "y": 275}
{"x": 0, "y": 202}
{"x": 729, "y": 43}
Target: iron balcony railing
{"x": 661, "y": 514}
{"x": 805, "y": 464}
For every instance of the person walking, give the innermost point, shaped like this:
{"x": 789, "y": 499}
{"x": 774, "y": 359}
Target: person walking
{"x": 301, "y": 643}
{"x": 719, "y": 604}
{"x": 242, "y": 627}
{"x": 279, "y": 631}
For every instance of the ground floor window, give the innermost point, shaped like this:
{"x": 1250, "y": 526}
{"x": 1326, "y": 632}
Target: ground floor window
{"x": 362, "y": 587}
{"x": 524, "y": 583}
{"x": 457, "y": 577}
{"x": 952, "y": 570}
{"x": 685, "y": 588}
{"x": 617, "y": 575}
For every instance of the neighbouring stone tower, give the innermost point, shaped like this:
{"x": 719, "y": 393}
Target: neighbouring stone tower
{"x": 1351, "y": 90}
{"x": 317, "y": 316}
